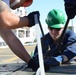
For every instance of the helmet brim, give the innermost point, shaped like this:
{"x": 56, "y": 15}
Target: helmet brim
{"x": 57, "y": 26}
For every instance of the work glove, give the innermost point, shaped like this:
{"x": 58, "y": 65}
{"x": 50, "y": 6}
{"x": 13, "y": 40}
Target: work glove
{"x": 32, "y": 18}
{"x": 70, "y": 10}
{"x": 33, "y": 64}
{"x": 50, "y": 62}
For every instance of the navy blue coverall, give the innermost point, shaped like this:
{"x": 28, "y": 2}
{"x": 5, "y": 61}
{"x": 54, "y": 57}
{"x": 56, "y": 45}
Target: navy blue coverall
{"x": 69, "y": 51}
{"x": 71, "y": 2}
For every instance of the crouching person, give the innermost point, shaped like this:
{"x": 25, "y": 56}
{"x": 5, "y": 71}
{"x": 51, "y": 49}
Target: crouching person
{"x": 55, "y": 22}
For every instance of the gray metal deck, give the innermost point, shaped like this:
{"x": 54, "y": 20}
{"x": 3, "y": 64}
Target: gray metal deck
{"x": 20, "y": 69}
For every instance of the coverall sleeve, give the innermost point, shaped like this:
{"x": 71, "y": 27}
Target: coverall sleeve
{"x": 70, "y": 51}
{"x": 73, "y": 2}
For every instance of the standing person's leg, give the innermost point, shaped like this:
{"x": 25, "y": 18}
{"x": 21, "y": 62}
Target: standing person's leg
{"x": 15, "y": 45}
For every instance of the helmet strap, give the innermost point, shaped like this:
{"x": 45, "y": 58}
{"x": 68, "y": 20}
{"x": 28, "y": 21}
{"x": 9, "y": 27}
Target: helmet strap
{"x": 14, "y": 3}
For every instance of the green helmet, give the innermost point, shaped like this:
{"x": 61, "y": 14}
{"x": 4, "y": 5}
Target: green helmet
{"x": 55, "y": 19}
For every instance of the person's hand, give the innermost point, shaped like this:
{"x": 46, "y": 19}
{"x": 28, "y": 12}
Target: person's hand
{"x": 50, "y": 62}
{"x": 31, "y": 18}
{"x": 33, "y": 64}
{"x": 70, "y": 10}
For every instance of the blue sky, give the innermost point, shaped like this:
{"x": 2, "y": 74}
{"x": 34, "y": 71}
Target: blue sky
{"x": 44, "y": 6}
